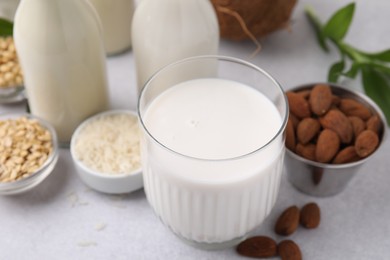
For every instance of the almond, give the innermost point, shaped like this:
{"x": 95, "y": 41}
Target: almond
{"x": 288, "y": 221}
{"x": 328, "y": 144}
{"x": 307, "y": 129}
{"x": 295, "y": 120}
{"x": 320, "y": 99}
{"x": 289, "y": 250}
{"x": 307, "y": 151}
{"x": 352, "y": 107}
{"x": 374, "y": 124}
{"x": 336, "y": 100}
{"x": 298, "y": 105}
{"x": 335, "y": 120}
{"x": 366, "y": 143}
{"x": 259, "y": 246}
{"x": 290, "y": 135}
{"x": 304, "y": 93}
{"x": 346, "y": 155}
{"x": 358, "y": 125}
{"x": 310, "y": 215}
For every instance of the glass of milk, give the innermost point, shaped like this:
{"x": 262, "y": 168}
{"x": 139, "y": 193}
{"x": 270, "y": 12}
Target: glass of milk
{"x": 212, "y": 148}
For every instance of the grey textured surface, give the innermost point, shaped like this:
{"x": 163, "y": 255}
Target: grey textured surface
{"x": 60, "y": 218}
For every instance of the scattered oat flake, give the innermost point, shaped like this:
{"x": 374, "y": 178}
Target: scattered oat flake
{"x": 73, "y": 199}
{"x": 87, "y": 243}
{"x": 100, "y": 226}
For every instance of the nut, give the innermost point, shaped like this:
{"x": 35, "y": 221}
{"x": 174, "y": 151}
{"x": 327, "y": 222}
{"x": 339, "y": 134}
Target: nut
{"x": 307, "y": 129}
{"x": 346, "y": 155}
{"x": 352, "y": 107}
{"x": 310, "y": 216}
{"x": 339, "y": 123}
{"x": 289, "y": 250}
{"x": 358, "y": 125}
{"x": 320, "y": 99}
{"x": 306, "y": 151}
{"x": 328, "y": 144}
{"x": 290, "y": 135}
{"x": 366, "y": 143}
{"x": 298, "y": 105}
{"x": 288, "y": 221}
{"x": 374, "y": 124}
{"x": 259, "y": 246}
{"x": 346, "y": 117}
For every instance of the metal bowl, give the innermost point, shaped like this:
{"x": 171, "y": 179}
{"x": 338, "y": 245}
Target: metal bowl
{"x": 322, "y": 179}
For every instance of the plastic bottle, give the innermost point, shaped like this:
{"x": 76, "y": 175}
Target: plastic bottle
{"x": 60, "y": 47}
{"x": 164, "y": 31}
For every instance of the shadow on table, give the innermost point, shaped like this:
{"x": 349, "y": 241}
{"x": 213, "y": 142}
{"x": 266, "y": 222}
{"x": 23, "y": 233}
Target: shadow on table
{"x": 49, "y": 189}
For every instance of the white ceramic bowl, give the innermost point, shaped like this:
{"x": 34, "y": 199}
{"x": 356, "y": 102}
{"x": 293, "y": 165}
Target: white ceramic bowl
{"x": 26, "y": 184}
{"x": 107, "y": 183}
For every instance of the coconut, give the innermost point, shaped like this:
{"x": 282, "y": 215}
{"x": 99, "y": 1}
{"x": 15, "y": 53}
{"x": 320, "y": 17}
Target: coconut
{"x": 252, "y": 19}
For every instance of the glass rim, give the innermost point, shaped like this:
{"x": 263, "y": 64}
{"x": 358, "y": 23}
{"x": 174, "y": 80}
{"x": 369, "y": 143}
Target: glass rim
{"x": 218, "y": 58}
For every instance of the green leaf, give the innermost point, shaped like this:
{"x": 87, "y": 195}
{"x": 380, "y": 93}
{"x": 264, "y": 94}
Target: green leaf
{"x": 380, "y": 56}
{"x": 337, "y": 26}
{"x": 353, "y": 70}
{"x": 377, "y": 86}
{"x": 6, "y": 27}
{"x": 317, "y": 26}
{"x": 335, "y": 71}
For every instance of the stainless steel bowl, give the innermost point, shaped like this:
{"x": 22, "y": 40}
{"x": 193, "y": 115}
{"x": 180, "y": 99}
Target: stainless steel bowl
{"x": 322, "y": 179}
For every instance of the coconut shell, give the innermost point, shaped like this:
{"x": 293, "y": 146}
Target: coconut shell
{"x": 261, "y": 17}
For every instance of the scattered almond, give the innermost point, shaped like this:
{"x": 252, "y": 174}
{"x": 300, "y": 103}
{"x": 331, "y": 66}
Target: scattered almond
{"x": 288, "y": 221}
{"x": 310, "y": 215}
{"x": 289, "y": 250}
{"x": 259, "y": 246}
{"x": 320, "y": 99}
{"x": 366, "y": 143}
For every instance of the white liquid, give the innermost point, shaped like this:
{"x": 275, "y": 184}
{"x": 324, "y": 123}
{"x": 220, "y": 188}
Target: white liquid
{"x": 212, "y": 200}
{"x": 164, "y": 31}
{"x": 62, "y": 56}
{"x": 116, "y": 17}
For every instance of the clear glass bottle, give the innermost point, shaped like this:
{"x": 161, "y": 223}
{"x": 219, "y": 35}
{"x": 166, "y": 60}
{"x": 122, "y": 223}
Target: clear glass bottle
{"x": 60, "y": 47}
{"x": 164, "y": 31}
{"x": 116, "y": 17}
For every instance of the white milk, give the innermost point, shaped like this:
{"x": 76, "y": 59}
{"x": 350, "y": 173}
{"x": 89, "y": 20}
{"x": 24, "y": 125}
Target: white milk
{"x": 215, "y": 187}
{"x": 164, "y": 31}
{"x": 116, "y": 17}
{"x": 62, "y": 56}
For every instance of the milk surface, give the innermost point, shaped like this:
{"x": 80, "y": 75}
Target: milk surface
{"x": 213, "y": 119}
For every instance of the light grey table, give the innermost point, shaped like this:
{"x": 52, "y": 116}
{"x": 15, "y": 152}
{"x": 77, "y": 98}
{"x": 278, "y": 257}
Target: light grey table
{"x": 63, "y": 219}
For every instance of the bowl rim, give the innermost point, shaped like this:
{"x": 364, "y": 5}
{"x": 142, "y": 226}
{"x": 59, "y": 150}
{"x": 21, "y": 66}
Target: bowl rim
{"x": 373, "y": 107}
{"x": 84, "y": 167}
{"x": 51, "y": 158}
